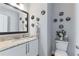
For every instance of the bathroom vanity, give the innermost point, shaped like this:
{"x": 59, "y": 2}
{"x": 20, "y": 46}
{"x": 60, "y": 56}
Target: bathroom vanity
{"x": 14, "y": 21}
{"x": 19, "y": 47}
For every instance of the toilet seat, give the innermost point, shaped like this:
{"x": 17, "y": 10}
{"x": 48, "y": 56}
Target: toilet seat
{"x": 60, "y": 53}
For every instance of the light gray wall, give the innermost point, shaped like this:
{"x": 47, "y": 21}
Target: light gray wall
{"x": 26, "y": 7}
{"x": 49, "y": 29}
{"x": 68, "y": 10}
{"x": 77, "y": 27}
{"x": 35, "y": 9}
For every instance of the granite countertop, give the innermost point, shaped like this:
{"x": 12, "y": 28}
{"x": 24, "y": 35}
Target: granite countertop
{"x": 8, "y": 43}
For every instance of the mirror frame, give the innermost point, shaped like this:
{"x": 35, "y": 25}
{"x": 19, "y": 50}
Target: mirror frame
{"x": 3, "y": 33}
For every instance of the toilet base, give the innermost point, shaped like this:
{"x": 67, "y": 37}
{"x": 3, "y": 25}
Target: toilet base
{"x": 60, "y": 53}
{"x": 53, "y": 55}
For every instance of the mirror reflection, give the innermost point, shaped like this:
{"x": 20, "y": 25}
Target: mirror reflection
{"x": 12, "y": 19}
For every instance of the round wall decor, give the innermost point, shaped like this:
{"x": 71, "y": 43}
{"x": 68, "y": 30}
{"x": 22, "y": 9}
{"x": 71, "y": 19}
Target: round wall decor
{"x": 43, "y": 12}
{"x": 61, "y": 20}
{"x": 61, "y": 26}
{"x": 37, "y": 19}
{"x": 32, "y": 25}
{"x": 55, "y": 20}
{"x": 68, "y": 18}
{"x": 61, "y": 13}
{"x": 32, "y": 17}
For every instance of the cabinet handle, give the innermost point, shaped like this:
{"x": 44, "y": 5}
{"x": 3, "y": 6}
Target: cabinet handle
{"x": 28, "y": 47}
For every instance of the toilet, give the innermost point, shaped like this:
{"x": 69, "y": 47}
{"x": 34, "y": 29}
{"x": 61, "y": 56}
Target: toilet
{"x": 61, "y": 48}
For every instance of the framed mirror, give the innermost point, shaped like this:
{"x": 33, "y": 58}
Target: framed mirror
{"x": 12, "y": 19}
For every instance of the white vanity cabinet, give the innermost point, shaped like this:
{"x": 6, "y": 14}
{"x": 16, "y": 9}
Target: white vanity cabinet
{"x": 27, "y": 49}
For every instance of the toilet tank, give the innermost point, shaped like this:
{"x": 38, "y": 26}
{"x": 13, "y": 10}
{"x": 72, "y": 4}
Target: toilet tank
{"x": 61, "y": 45}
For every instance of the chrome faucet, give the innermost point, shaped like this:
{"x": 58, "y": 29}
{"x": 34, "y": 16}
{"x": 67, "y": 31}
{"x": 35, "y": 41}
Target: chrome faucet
{"x": 24, "y": 35}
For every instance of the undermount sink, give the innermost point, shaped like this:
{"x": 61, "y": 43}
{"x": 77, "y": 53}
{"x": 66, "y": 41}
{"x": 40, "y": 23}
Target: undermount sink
{"x": 17, "y": 38}
{"x": 9, "y": 39}
{"x": 1, "y": 40}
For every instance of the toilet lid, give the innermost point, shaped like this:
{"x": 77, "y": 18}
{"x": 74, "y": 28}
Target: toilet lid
{"x": 60, "y": 53}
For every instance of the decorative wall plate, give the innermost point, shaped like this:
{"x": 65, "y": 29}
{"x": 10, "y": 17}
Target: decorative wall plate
{"x": 61, "y": 26}
{"x": 43, "y": 12}
{"x": 55, "y": 20}
{"x": 32, "y": 17}
{"x": 37, "y": 19}
{"x": 32, "y": 25}
{"x": 61, "y": 20}
{"x": 68, "y": 18}
{"x": 61, "y": 13}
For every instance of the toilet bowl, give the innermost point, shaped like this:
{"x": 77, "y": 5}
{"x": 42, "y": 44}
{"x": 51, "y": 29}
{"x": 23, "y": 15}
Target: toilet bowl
{"x": 61, "y": 48}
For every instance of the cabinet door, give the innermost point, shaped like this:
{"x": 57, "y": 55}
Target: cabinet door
{"x": 3, "y": 23}
{"x": 15, "y": 51}
{"x": 32, "y": 48}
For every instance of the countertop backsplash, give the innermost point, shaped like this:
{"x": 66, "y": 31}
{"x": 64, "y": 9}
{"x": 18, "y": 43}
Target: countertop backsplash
{"x": 13, "y": 36}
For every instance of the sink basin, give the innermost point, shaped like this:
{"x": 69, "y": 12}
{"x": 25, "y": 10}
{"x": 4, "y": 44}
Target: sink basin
{"x": 1, "y": 40}
{"x": 11, "y": 39}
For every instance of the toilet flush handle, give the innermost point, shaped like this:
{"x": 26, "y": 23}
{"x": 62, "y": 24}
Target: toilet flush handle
{"x": 77, "y": 47}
